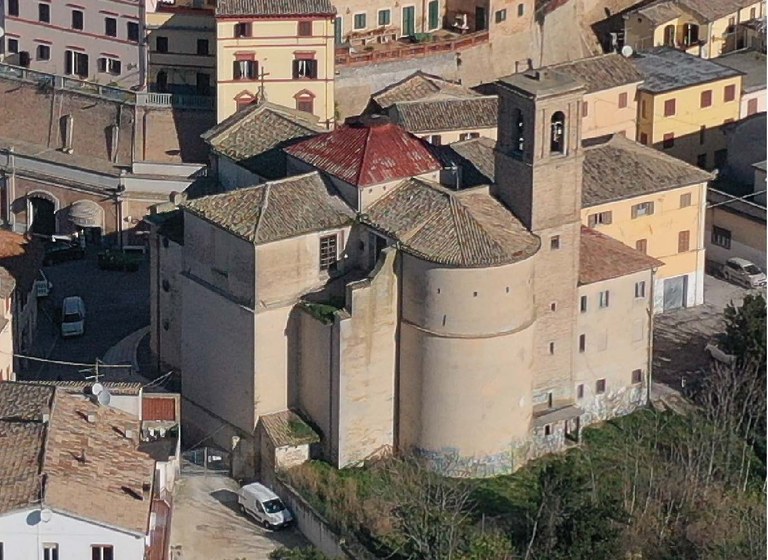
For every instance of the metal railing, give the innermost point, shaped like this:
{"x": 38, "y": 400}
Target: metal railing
{"x": 47, "y": 81}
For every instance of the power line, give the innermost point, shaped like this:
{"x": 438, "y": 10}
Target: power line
{"x": 64, "y": 363}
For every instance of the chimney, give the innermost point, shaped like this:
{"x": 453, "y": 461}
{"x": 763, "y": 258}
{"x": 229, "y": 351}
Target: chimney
{"x": 46, "y": 417}
{"x": 92, "y": 417}
{"x": 129, "y": 434}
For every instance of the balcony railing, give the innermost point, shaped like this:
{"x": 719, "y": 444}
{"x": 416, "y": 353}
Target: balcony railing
{"x": 399, "y": 51}
{"x": 47, "y": 81}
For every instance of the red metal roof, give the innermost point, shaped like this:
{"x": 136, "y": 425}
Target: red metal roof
{"x": 367, "y": 152}
{"x": 158, "y": 408}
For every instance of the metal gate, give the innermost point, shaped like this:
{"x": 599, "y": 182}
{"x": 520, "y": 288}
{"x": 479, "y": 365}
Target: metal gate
{"x": 675, "y": 292}
{"x": 205, "y": 460}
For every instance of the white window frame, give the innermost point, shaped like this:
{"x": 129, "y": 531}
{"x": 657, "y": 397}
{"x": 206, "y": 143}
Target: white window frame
{"x": 378, "y": 17}
{"x": 648, "y": 209}
{"x": 101, "y": 548}
{"x": 640, "y": 289}
{"x": 426, "y": 16}
{"x": 47, "y": 548}
{"x": 354, "y": 21}
{"x": 109, "y": 65}
{"x": 604, "y": 299}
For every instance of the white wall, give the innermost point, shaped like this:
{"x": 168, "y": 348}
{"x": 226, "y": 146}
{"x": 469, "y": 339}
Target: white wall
{"x": 23, "y": 534}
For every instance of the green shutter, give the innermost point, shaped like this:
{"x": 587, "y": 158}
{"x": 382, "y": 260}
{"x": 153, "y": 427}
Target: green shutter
{"x": 409, "y": 18}
{"x": 434, "y": 14}
{"x": 337, "y": 30}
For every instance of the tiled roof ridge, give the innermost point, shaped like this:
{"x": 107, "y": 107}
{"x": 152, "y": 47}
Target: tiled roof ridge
{"x": 418, "y": 73}
{"x": 262, "y": 211}
{"x": 366, "y": 147}
{"x": 42, "y": 475}
{"x": 447, "y": 100}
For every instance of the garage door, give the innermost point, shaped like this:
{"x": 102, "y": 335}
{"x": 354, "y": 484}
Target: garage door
{"x": 675, "y": 291}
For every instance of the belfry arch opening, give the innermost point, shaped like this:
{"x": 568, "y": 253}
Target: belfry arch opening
{"x": 557, "y": 133}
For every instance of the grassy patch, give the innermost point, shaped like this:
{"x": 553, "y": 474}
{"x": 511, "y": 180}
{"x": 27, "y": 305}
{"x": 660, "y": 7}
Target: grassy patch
{"x": 324, "y": 311}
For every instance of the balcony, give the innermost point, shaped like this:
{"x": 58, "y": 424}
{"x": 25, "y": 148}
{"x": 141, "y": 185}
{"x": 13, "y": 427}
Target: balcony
{"x": 410, "y": 47}
{"x": 50, "y": 82}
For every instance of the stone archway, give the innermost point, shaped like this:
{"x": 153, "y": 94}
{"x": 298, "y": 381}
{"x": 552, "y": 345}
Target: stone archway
{"x": 41, "y": 212}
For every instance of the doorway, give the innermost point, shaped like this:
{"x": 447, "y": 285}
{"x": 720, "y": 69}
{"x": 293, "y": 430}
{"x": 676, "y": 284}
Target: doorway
{"x": 42, "y": 216}
{"x": 409, "y": 21}
{"x": 675, "y": 292}
{"x": 481, "y": 20}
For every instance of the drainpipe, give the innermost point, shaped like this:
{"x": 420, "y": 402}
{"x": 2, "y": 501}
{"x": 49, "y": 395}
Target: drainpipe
{"x": 651, "y": 306}
{"x": 158, "y": 328}
{"x": 11, "y": 187}
{"x": 119, "y": 209}
{"x": 142, "y": 45}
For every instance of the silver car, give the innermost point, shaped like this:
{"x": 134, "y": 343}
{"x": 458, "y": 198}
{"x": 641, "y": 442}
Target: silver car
{"x": 743, "y": 272}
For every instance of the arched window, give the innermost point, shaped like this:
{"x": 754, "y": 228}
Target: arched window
{"x": 690, "y": 34}
{"x": 518, "y": 136}
{"x": 669, "y": 36}
{"x": 557, "y": 133}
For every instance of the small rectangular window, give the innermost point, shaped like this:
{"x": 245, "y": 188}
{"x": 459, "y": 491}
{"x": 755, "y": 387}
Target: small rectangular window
{"x": 13, "y": 46}
{"x": 584, "y": 109}
{"x": 385, "y": 17}
{"x": 13, "y": 7}
{"x": 668, "y": 141}
{"x": 683, "y": 241}
{"x": 110, "y": 27}
{"x": 640, "y": 289}
{"x": 436, "y": 140}
{"x": 132, "y": 31}
{"x": 548, "y": 430}
{"x": 685, "y": 200}
{"x": 304, "y": 29}
{"x": 637, "y": 376}
{"x": 600, "y": 386}
{"x": 706, "y": 99}
{"x": 360, "y": 21}
{"x": 702, "y": 134}
{"x": 605, "y": 298}
{"x": 622, "y": 100}
{"x": 44, "y": 12}
{"x": 110, "y": 66}
{"x": 721, "y": 237}
{"x": 306, "y": 104}
{"x": 77, "y": 19}
{"x": 642, "y": 209}
{"x": 245, "y": 70}
{"x": 701, "y": 161}
{"x": 582, "y": 343}
{"x": 669, "y": 107}
{"x": 551, "y": 347}
{"x": 600, "y": 218}
{"x": 643, "y": 109}
{"x": 328, "y": 251}
{"x": 50, "y": 551}
{"x": 501, "y": 15}
{"x": 433, "y": 14}
{"x": 102, "y": 552}
{"x": 554, "y": 242}
{"x": 580, "y": 391}
{"x": 43, "y": 52}
{"x": 644, "y": 138}
{"x": 202, "y": 47}
{"x": 583, "y": 304}
{"x": 641, "y": 245}
{"x": 520, "y": 10}
{"x": 304, "y": 69}
{"x": 161, "y": 44}
{"x": 242, "y": 30}
{"x": 729, "y": 94}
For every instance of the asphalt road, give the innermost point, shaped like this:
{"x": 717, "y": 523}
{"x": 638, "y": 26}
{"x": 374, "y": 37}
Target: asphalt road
{"x": 116, "y": 304}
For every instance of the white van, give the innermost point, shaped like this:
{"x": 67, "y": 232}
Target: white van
{"x": 264, "y": 506}
{"x": 72, "y": 316}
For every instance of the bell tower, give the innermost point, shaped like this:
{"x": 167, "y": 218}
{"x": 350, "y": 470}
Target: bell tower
{"x": 538, "y": 177}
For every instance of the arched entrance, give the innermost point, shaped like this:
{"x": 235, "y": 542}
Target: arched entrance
{"x": 88, "y": 216}
{"x": 42, "y": 215}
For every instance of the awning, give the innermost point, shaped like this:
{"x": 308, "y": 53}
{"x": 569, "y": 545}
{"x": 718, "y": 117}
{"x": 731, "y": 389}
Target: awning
{"x": 86, "y": 213}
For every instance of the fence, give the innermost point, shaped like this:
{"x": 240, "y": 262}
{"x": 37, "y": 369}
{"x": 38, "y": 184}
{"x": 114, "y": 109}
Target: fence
{"x": 205, "y": 460}
{"x": 345, "y": 57}
{"x": 46, "y": 81}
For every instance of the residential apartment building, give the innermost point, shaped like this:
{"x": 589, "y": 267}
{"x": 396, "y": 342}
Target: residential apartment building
{"x": 95, "y": 40}
{"x": 76, "y": 479}
{"x": 361, "y": 22}
{"x": 385, "y": 307}
{"x": 700, "y": 27}
{"x": 610, "y": 102}
{"x": 752, "y": 64}
{"x": 684, "y": 101}
{"x": 655, "y": 203}
{"x": 181, "y": 41}
{"x": 281, "y": 51}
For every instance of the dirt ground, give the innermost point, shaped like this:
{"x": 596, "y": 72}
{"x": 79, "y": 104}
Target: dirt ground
{"x": 680, "y": 336}
{"x": 207, "y": 525}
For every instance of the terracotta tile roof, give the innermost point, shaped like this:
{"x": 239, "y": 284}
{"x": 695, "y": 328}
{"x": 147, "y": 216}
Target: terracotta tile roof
{"x": 601, "y": 72}
{"x": 81, "y": 387}
{"x": 467, "y": 228}
{"x": 20, "y": 261}
{"x": 419, "y": 86}
{"x": 86, "y": 469}
{"x": 274, "y": 210}
{"x": 255, "y": 136}
{"x": 660, "y": 12}
{"x": 436, "y": 115}
{"x": 475, "y": 157}
{"x": 604, "y": 258}
{"x": 619, "y": 168}
{"x": 274, "y": 7}
{"x": 367, "y": 152}
{"x": 708, "y": 10}
{"x": 287, "y": 428}
{"x": 667, "y": 69}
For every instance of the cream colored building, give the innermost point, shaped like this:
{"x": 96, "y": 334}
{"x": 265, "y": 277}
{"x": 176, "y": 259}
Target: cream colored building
{"x": 362, "y": 22}
{"x": 281, "y": 51}
{"x": 392, "y": 312}
{"x": 700, "y": 27}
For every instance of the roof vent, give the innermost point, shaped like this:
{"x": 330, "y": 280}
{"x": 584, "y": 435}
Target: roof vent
{"x": 128, "y": 434}
{"x": 534, "y": 75}
{"x": 92, "y": 417}
{"x": 46, "y": 417}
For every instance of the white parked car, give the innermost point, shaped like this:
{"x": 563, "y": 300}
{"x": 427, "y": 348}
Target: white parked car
{"x": 264, "y": 506}
{"x": 743, "y": 272}
{"x": 72, "y": 316}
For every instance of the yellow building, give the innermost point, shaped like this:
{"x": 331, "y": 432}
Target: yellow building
{"x": 182, "y": 47}
{"x": 278, "y": 49}
{"x": 699, "y": 27}
{"x": 683, "y": 103}
{"x": 654, "y": 203}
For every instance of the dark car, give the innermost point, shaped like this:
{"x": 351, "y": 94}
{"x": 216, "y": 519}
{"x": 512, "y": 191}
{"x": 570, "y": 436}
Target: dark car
{"x": 60, "y": 252}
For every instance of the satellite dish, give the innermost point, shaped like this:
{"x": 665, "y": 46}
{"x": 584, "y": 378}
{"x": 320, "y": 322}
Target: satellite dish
{"x": 97, "y": 389}
{"x": 627, "y": 51}
{"x": 104, "y": 397}
{"x": 45, "y": 515}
